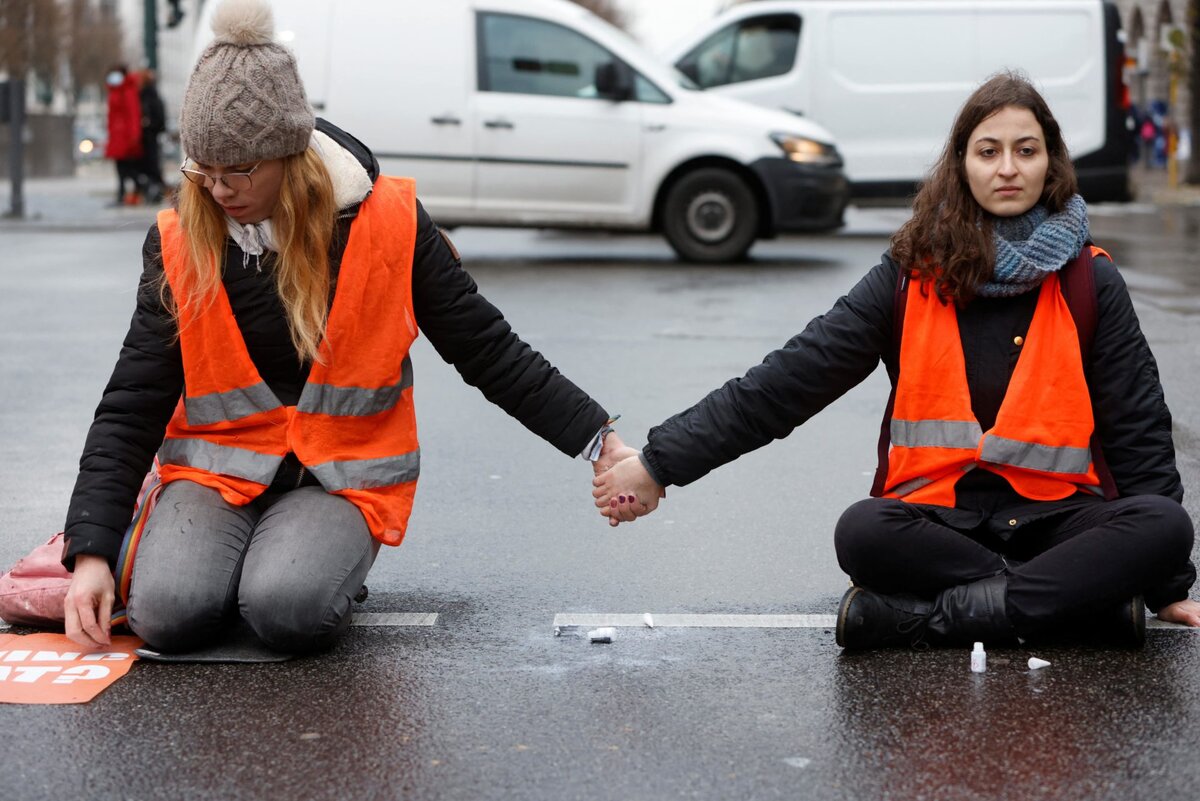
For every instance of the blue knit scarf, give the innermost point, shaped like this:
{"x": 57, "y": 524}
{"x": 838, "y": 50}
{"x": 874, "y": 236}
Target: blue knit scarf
{"x": 1032, "y": 245}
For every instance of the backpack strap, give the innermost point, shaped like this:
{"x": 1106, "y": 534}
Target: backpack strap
{"x": 1078, "y": 282}
{"x": 899, "y": 305}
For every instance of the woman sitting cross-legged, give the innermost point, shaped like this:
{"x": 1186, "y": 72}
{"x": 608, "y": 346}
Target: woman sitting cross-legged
{"x": 1027, "y": 484}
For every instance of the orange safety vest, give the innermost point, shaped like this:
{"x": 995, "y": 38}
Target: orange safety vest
{"x": 1040, "y": 442}
{"x": 354, "y": 425}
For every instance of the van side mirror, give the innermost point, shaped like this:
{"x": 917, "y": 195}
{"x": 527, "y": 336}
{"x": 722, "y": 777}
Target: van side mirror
{"x": 614, "y": 81}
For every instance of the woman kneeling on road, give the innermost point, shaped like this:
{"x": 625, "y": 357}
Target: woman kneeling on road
{"x": 1027, "y": 484}
{"x": 267, "y": 364}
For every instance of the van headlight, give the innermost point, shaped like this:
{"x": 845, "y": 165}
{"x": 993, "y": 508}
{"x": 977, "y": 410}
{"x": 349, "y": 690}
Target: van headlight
{"x": 807, "y": 151}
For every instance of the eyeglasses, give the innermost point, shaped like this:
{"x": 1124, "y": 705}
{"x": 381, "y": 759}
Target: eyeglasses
{"x": 237, "y": 181}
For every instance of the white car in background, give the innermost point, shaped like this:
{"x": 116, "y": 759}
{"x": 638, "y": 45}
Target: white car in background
{"x": 536, "y": 113}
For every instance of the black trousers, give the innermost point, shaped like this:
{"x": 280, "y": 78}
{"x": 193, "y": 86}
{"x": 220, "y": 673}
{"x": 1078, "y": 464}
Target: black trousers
{"x": 128, "y": 171}
{"x": 1060, "y": 566}
{"x": 150, "y": 178}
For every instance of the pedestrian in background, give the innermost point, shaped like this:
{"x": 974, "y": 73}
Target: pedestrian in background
{"x": 1027, "y": 478}
{"x": 154, "y": 122}
{"x": 124, "y": 144}
{"x": 1149, "y": 135}
{"x": 268, "y": 366}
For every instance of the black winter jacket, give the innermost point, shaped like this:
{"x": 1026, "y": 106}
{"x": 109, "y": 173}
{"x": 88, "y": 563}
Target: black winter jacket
{"x": 842, "y": 347}
{"x": 465, "y": 329}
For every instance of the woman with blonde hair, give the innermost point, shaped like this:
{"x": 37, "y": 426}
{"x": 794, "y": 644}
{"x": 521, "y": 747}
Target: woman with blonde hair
{"x": 1026, "y": 484}
{"x": 267, "y": 367}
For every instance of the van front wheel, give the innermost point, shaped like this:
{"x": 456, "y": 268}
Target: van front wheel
{"x": 710, "y": 216}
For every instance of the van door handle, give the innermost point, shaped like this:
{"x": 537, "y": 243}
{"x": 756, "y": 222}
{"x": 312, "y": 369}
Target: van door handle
{"x": 445, "y": 119}
{"x": 504, "y": 124}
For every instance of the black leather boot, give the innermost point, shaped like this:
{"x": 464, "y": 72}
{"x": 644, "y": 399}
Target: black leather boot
{"x": 1119, "y": 625}
{"x": 958, "y": 616}
{"x": 972, "y": 612}
{"x": 1129, "y": 628}
{"x": 870, "y": 620}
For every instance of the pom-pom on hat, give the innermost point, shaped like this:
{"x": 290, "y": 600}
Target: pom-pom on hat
{"x": 244, "y": 101}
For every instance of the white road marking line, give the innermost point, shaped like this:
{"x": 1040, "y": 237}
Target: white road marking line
{"x": 698, "y": 621}
{"x": 597, "y": 619}
{"x": 393, "y": 619}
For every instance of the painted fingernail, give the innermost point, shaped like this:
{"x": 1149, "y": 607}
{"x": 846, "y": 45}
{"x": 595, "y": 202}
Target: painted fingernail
{"x": 621, "y": 498}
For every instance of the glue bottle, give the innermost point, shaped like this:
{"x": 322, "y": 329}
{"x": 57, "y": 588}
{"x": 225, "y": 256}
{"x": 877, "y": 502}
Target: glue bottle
{"x": 978, "y": 659}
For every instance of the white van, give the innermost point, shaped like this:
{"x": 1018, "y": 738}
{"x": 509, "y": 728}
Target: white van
{"x": 537, "y": 113}
{"x": 886, "y": 77}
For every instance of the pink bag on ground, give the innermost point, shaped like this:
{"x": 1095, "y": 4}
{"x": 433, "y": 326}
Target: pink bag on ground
{"x": 32, "y": 593}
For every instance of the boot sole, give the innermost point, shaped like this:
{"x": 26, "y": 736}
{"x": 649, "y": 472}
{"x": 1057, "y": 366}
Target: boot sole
{"x": 1137, "y": 622}
{"x": 839, "y": 636}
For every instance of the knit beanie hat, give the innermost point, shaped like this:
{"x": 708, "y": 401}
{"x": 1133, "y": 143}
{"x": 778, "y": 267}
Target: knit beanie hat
{"x": 244, "y": 101}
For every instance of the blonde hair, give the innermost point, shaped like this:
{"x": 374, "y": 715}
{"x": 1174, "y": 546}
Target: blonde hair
{"x": 303, "y": 227}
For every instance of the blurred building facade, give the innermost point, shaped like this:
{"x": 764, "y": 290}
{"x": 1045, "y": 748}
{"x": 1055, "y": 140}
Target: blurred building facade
{"x": 1149, "y": 59}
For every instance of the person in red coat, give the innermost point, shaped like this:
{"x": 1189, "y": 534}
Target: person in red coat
{"x": 124, "y": 131}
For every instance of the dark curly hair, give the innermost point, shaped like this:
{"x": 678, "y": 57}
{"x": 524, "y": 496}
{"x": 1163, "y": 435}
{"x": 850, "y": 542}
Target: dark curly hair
{"x": 947, "y": 244}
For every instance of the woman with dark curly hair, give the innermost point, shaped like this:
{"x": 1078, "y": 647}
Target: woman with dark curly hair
{"x": 1026, "y": 484}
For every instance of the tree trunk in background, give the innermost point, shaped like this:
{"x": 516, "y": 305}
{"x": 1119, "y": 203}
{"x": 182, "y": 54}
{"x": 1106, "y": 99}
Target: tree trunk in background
{"x": 45, "y": 48}
{"x": 15, "y": 30}
{"x": 94, "y": 44}
{"x": 38, "y": 36}
{"x": 1193, "y": 22}
{"x": 16, "y": 35}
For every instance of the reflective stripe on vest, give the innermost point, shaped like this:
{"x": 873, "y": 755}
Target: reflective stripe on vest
{"x": 1040, "y": 442}
{"x": 909, "y": 487}
{"x": 354, "y": 425}
{"x": 368, "y": 473}
{"x": 204, "y": 455}
{"x": 936, "y": 433}
{"x": 353, "y": 401}
{"x": 966, "y": 435}
{"x": 1060, "y": 459}
{"x": 233, "y": 404}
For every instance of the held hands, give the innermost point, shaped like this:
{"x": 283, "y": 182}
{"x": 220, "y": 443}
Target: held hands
{"x": 1185, "y": 612}
{"x": 626, "y": 491}
{"x": 612, "y": 451}
{"x": 89, "y": 602}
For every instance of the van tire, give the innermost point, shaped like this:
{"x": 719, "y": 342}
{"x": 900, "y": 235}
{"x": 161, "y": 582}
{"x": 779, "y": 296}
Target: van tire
{"x": 710, "y": 215}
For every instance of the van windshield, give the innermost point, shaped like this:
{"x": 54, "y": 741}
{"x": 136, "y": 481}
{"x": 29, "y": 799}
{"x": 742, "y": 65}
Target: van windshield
{"x": 747, "y": 50}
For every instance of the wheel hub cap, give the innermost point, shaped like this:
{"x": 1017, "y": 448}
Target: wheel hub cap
{"x": 710, "y": 216}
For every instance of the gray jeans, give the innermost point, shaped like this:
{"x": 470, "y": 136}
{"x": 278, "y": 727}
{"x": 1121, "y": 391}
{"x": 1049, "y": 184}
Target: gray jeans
{"x": 289, "y": 564}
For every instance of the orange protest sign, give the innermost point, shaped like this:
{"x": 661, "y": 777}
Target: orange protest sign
{"x": 50, "y": 669}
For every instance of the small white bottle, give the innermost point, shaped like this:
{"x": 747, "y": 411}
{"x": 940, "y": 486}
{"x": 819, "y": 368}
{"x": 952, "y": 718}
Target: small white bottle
{"x": 978, "y": 659}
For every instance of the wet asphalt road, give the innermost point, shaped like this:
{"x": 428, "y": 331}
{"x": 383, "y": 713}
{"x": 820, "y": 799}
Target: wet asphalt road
{"x": 488, "y": 703}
